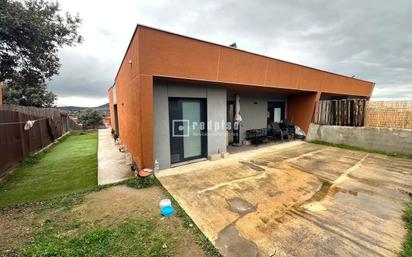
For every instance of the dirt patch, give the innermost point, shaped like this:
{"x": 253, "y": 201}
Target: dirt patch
{"x": 18, "y": 225}
{"x": 187, "y": 248}
{"x": 14, "y": 229}
{"x": 108, "y": 208}
{"x": 116, "y": 204}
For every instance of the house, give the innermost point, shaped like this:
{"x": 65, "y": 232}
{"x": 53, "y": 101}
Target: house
{"x": 169, "y": 86}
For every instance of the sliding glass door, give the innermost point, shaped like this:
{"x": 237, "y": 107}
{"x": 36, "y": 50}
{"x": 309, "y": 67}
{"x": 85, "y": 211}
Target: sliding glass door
{"x": 188, "y": 129}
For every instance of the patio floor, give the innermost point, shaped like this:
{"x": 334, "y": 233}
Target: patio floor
{"x": 243, "y": 148}
{"x": 296, "y": 199}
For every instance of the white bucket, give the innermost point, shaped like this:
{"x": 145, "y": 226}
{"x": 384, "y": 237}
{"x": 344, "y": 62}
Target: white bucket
{"x": 165, "y": 202}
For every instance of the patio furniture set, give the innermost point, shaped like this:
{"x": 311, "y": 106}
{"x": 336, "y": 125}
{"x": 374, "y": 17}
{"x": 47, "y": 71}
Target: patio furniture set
{"x": 274, "y": 131}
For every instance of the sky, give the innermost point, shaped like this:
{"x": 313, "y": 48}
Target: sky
{"x": 369, "y": 39}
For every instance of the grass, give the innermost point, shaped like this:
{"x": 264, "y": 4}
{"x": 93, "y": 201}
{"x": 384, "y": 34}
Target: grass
{"x": 202, "y": 240}
{"x": 187, "y": 222}
{"x": 51, "y": 183}
{"x": 132, "y": 237}
{"x": 356, "y": 148}
{"x": 407, "y": 245}
{"x": 139, "y": 182}
{"x": 67, "y": 167}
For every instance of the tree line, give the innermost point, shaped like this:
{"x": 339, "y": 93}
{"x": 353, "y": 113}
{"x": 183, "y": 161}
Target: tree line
{"x": 31, "y": 33}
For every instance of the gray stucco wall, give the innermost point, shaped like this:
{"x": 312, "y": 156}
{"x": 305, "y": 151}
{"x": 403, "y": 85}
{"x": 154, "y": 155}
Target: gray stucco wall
{"x": 216, "y": 112}
{"x": 382, "y": 139}
{"x": 254, "y": 108}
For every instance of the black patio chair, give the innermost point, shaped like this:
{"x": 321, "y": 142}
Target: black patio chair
{"x": 291, "y": 129}
{"x": 279, "y": 131}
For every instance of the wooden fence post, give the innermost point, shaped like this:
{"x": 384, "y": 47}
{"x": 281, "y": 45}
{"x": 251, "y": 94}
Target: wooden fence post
{"x": 22, "y": 136}
{"x": 315, "y": 115}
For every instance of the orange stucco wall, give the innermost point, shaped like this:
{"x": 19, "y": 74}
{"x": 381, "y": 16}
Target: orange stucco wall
{"x": 154, "y": 53}
{"x": 129, "y": 108}
{"x": 299, "y": 106}
{"x": 168, "y": 55}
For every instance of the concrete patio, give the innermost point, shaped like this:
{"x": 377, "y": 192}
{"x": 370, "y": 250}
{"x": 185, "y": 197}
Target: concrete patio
{"x": 112, "y": 167}
{"x": 296, "y": 199}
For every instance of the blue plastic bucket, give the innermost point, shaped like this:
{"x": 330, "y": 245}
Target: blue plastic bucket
{"x": 167, "y": 211}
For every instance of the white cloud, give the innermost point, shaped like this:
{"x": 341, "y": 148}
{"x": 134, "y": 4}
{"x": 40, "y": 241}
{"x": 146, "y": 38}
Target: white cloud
{"x": 371, "y": 41}
{"x": 80, "y": 101}
{"x": 393, "y": 92}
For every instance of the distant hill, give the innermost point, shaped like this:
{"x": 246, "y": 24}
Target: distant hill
{"x": 104, "y": 107}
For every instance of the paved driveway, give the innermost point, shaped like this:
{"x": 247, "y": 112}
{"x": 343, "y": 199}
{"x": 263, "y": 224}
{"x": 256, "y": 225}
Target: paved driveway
{"x": 297, "y": 199}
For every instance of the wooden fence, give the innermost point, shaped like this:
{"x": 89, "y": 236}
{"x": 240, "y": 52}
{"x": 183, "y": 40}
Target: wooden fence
{"x": 51, "y": 113}
{"x": 18, "y": 142}
{"x": 61, "y": 119}
{"x": 346, "y": 112}
{"x": 389, "y": 114}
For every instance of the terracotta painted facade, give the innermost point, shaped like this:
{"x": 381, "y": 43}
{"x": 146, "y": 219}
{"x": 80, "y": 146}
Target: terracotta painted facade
{"x": 153, "y": 53}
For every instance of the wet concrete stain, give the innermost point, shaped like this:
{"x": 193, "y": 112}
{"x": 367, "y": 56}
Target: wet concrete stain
{"x": 341, "y": 232}
{"x": 325, "y": 190}
{"x": 240, "y": 206}
{"x": 368, "y": 181}
{"x": 322, "y": 192}
{"x": 252, "y": 165}
{"x": 346, "y": 191}
{"x": 232, "y": 244}
{"x": 260, "y": 162}
{"x": 273, "y": 194}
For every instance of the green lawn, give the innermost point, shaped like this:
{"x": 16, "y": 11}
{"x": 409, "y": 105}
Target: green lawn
{"x": 56, "y": 230}
{"x": 69, "y": 166}
{"x": 132, "y": 237}
{"x": 62, "y": 177}
{"x": 407, "y": 245}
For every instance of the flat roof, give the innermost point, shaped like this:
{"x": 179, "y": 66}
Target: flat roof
{"x": 225, "y": 46}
